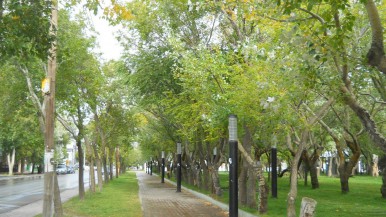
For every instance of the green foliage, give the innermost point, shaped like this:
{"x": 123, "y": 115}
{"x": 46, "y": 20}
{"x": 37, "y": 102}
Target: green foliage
{"x": 18, "y": 123}
{"x": 24, "y": 28}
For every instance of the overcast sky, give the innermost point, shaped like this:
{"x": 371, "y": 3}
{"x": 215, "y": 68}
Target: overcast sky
{"x": 109, "y": 46}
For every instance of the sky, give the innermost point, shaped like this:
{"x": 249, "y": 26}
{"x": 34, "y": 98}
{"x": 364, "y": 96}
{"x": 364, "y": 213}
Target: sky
{"x": 109, "y": 45}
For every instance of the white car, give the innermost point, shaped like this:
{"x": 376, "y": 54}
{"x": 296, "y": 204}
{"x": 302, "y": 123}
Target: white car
{"x": 61, "y": 169}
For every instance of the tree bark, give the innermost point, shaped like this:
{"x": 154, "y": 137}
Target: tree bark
{"x": 81, "y": 168}
{"x": 11, "y": 161}
{"x": 99, "y": 167}
{"x": 263, "y": 188}
{"x": 308, "y": 207}
{"x": 251, "y": 186}
{"x": 314, "y": 177}
{"x": 90, "y": 158}
{"x": 216, "y": 181}
{"x": 329, "y": 171}
{"x": 105, "y": 172}
{"x": 243, "y": 168}
{"x": 117, "y": 162}
{"x": 383, "y": 187}
{"x": 376, "y": 54}
{"x": 111, "y": 154}
{"x": 345, "y": 167}
{"x": 22, "y": 166}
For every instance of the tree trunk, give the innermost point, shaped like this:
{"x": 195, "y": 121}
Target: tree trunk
{"x": 251, "y": 186}
{"x": 117, "y": 162}
{"x": 33, "y": 168}
{"x": 11, "y": 162}
{"x": 92, "y": 176}
{"x": 249, "y": 182}
{"x": 243, "y": 177}
{"x": 22, "y": 166}
{"x": 344, "y": 176}
{"x": 111, "y": 154}
{"x": 90, "y": 159}
{"x": 19, "y": 167}
{"x": 197, "y": 176}
{"x": 216, "y": 181}
{"x": 263, "y": 189}
{"x": 99, "y": 167}
{"x": 105, "y": 172}
{"x": 291, "y": 210}
{"x": 345, "y": 167}
{"x": 81, "y": 168}
{"x": 329, "y": 171}
{"x": 374, "y": 167}
{"x": 383, "y": 187}
{"x": 314, "y": 176}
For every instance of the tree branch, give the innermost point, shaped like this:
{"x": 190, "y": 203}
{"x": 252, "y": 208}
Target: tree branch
{"x": 376, "y": 54}
{"x": 34, "y": 97}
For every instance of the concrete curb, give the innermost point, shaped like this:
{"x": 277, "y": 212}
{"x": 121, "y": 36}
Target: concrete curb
{"x": 223, "y": 206}
{"x": 35, "y": 176}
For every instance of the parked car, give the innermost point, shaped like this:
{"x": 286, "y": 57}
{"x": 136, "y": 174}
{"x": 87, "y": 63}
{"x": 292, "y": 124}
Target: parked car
{"x": 61, "y": 169}
{"x": 70, "y": 170}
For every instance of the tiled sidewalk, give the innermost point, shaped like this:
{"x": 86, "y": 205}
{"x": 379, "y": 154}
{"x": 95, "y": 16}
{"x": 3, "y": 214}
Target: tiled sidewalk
{"x": 161, "y": 199}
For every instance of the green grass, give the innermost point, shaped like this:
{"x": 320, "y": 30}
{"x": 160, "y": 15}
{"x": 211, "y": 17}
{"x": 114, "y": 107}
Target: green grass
{"x": 364, "y": 198}
{"x": 118, "y": 198}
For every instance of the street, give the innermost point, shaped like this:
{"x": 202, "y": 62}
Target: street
{"x": 15, "y": 193}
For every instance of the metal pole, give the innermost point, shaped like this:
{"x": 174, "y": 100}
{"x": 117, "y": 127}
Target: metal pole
{"x": 179, "y": 167}
{"x": 151, "y": 166}
{"x": 233, "y": 185}
{"x": 163, "y": 168}
{"x": 214, "y": 153}
{"x": 274, "y": 172}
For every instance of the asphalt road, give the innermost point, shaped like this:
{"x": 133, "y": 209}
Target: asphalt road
{"x": 16, "y": 193}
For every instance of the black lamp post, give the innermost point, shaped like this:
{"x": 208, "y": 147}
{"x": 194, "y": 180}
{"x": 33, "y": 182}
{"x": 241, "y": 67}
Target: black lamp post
{"x": 179, "y": 151}
{"x": 163, "y": 168}
{"x": 151, "y": 166}
{"x": 233, "y": 185}
{"x": 214, "y": 153}
{"x": 274, "y": 167}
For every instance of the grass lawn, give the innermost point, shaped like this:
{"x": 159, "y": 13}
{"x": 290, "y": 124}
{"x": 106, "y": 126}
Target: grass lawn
{"x": 364, "y": 198}
{"x": 118, "y": 198}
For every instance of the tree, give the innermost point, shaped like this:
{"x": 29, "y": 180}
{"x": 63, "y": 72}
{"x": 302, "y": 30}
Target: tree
{"x": 77, "y": 75}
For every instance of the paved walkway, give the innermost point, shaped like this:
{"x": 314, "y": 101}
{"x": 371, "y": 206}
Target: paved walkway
{"x": 157, "y": 200}
{"x": 161, "y": 199}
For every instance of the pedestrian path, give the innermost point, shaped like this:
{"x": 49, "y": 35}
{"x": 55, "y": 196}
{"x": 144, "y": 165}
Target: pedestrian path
{"x": 161, "y": 199}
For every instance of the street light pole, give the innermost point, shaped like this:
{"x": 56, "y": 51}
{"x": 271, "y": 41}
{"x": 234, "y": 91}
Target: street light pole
{"x": 151, "y": 166}
{"x": 214, "y": 153}
{"x": 274, "y": 168}
{"x": 179, "y": 151}
{"x": 163, "y": 168}
{"x": 233, "y": 185}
